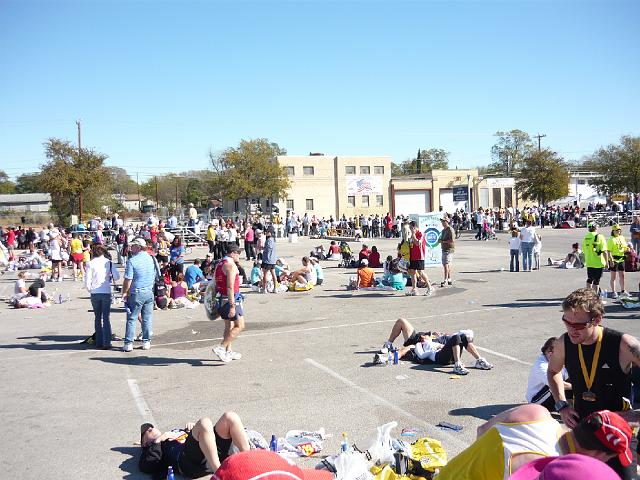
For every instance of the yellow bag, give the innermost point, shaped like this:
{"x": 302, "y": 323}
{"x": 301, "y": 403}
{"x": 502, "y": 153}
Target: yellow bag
{"x": 427, "y": 455}
{"x": 296, "y": 287}
{"x": 385, "y": 472}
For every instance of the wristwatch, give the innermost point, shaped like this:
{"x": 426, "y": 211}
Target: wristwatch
{"x": 560, "y": 404}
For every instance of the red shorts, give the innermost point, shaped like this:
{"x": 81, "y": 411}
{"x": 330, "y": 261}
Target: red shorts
{"x": 77, "y": 257}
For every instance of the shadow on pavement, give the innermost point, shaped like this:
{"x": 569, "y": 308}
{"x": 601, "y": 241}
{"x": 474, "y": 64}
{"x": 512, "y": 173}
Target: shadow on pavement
{"x": 484, "y": 412}
{"x": 159, "y": 361}
{"x": 50, "y": 346}
{"x": 55, "y": 338}
{"x": 129, "y": 466}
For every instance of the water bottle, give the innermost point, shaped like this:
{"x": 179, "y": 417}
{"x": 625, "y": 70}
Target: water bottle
{"x": 344, "y": 445}
{"x": 395, "y": 356}
{"x": 389, "y": 358}
{"x": 170, "y": 475}
{"x": 68, "y": 297}
{"x": 603, "y": 295}
{"x": 273, "y": 445}
{"x": 60, "y": 298}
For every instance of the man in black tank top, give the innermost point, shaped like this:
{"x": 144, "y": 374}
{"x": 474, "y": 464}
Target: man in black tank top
{"x": 598, "y": 361}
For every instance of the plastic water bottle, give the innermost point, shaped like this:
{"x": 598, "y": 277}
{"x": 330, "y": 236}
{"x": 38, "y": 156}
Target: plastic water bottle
{"x": 60, "y": 298}
{"x": 68, "y": 297}
{"x": 344, "y": 445}
{"x": 170, "y": 475}
{"x": 603, "y": 296}
{"x": 273, "y": 445}
{"x": 389, "y": 358}
{"x": 395, "y": 356}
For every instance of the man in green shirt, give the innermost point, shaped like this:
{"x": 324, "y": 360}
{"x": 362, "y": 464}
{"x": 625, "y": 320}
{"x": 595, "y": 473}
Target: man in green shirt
{"x": 594, "y": 247}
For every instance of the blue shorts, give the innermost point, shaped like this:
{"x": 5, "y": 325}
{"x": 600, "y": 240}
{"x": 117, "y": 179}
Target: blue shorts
{"x": 224, "y": 308}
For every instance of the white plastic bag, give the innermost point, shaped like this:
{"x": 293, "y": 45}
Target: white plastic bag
{"x": 381, "y": 447}
{"x": 351, "y": 466}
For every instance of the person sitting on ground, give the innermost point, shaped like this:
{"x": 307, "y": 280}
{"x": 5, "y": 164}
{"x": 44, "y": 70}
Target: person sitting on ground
{"x": 35, "y": 298}
{"x": 305, "y": 275}
{"x": 434, "y": 347}
{"x": 255, "y": 276}
{"x": 282, "y": 270}
{"x": 574, "y": 259}
{"x": 194, "y": 451}
{"x": 194, "y": 275}
{"x": 20, "y": 290}
{"x": 178, "y": 293}
{"x": 365, "y": 252}
{"x": 538, "y": 385}
{"x": 334, "y": 251}
{"x": 374, "y": 258}
{"x": 319, "y": 273}
{"x": 393, "y": 276}
{"x": 365, "y": 276}
{"x": 513, "y": 438}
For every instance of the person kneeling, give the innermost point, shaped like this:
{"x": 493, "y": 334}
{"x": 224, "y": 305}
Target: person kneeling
{"x": 193, "y": 451}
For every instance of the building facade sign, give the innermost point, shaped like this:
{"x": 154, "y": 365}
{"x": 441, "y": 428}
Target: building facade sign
{"x": 364, "y": 185}
{"x": 500, "y": 182}
{"x": 461, "y": 194}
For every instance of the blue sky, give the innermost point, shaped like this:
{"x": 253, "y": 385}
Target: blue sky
{"x": 157, "y": 84}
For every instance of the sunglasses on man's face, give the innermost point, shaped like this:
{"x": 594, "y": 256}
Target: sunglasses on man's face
{"x": 576, "y": 325}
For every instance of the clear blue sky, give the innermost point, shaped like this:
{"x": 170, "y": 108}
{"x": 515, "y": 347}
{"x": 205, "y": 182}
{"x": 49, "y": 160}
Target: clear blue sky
{"x": 158, "y": 83}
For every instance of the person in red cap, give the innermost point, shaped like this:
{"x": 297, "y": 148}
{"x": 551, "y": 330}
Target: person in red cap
{"x": 568, "y": 467}
{"x": 598, "y": 361}
{"x": 265, "y": 465}
{"x": 193, "y": 451}
{"x": 526, "y": 433}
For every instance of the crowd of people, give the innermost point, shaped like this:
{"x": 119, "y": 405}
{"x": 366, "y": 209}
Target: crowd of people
{"x": 583, "y": 375}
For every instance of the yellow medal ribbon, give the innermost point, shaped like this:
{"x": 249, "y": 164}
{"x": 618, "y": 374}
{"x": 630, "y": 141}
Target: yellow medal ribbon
{"x": 589, "y": 378}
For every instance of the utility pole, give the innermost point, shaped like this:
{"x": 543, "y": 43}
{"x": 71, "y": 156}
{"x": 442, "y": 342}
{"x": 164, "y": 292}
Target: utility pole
{"x": 79, "y": 153}
{"x": 156, "y": 180}
{"x": 138, "y": 184}
{"x": 176, "y": 194}
{"x": 539, "y": 137}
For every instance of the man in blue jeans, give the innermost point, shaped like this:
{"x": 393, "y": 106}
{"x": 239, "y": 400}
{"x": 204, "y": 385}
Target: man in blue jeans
{"x": 137, "y": 293}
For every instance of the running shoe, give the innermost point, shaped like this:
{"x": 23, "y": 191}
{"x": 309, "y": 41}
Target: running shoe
{"x": 377, "y": 359}
{"x": 128, "y": 347}
{"x": 221, "y": 353}
{"x": 482, "y": 364}
{"x": 146, "y": 345}
{"x": 460, "y": 370}
{"x": 429, "y": 292}
{"x": 234, "y": 355}
{"x": 411, "y": 293}
{"x": 386, "y": 347}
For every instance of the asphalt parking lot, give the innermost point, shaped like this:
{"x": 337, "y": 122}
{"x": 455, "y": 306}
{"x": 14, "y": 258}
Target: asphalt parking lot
{"x": 73, "y": 411}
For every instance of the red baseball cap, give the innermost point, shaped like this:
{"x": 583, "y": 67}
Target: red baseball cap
{"x": 264, "y": 464}
{"x": 567, "y": 467}
{"x": 615, "y": 434}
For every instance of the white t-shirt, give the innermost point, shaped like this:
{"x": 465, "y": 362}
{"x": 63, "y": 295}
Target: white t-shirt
{"x": 428, "y": 350}
{"x": 514, "y": 243}
{"x": 527, "y": 233}
{"x": 97, "y": 279}
{"x": 538, "y": 377}
{"x": 20, "y": 283}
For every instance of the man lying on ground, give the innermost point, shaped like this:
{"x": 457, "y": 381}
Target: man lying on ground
{"x": 527, "y": 433}
{"x": 194, "y": 451}
{"x": 433, "y": 347}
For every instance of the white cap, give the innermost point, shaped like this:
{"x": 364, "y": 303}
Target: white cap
{"x": 364, "y": 261}
{"x": 139, "y": 241}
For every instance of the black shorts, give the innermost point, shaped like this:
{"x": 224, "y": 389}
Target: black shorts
{"x": 224, "y": 311}
{"x": 192, "y": 462}
{"x": 617, "y": 267}
{"x": 414, "y": 338}
{"x": 268, "y": 266}
{"x": 416, "y": 265}
{"x": 594, "y": 275}
{"x": 444, "y": 356}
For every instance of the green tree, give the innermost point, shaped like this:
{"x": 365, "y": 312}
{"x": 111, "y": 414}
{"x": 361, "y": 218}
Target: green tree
{"x": 425, "y": 161}
{"x": 510, "y": 151}
{"x": 251, "y": 170}
{"x": 618, "y": 167}
{"x": 122, "y": 183}
{"x": 6, "y": 185}
{"x": 196, "y": 186}
{"x": 71, "y": 174}
{"x": 543, "y": 177}
{"x": 28, "y": 183}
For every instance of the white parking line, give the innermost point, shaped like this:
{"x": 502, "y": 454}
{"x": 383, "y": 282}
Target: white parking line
{"x": 141, "y": 403}
{"x": 498, "y": 354}
{"x": 431, "y": 430}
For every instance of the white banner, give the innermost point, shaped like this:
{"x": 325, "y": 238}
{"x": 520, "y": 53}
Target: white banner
{"x": 501, "y": 182}
{"x": 430, "y": 225}
{"x": 364, "y": 185}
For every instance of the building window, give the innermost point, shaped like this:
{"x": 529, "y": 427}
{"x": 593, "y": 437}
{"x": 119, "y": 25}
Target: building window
{"x": 582, "y": 182}
{"x": 309, "y": 204}
{"x": 351, "y": 201}
{"x": 379, "y": 170}
{"x": 289, "y": 204}
{"x": 268, "y": 202}
{"x": 365, "y": 200}
{"x": 365, "y": 170}
{"x": 350, "y": 170}
{"x": 291, "y": 171}
{"x": 379, "y": 200}
{"x": 307, "y": 170}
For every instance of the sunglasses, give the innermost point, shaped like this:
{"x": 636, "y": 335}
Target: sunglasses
{"x": 576, "y": 325}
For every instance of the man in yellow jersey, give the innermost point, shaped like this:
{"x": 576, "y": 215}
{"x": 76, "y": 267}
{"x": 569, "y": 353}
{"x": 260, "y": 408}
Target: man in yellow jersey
{"x": 617, "y": 246}
{"x": 77, "y": 256}
{"x": 595, "y": 256}
{"x": 598, "y": 361}
{"x": 526, "y": 433}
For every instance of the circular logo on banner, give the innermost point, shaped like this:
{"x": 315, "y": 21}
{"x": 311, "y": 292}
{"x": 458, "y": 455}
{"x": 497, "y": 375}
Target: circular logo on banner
{"x": 431, "y": 236}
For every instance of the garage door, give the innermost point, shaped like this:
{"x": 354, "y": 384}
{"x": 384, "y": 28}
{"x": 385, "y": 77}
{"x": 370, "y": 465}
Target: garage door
{"x": 412, "y": 201}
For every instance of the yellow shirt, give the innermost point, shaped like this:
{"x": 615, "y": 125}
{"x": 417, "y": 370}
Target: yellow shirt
{"x": 490, "y": 456}
{"x": 617, "y": 246}
{"x": 76, "y": 245}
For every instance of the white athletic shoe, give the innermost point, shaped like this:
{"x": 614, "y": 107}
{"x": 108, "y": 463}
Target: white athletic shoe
{"x": 128, "y": 347}
{"x": 234, "y": 355}
{"x": 146, "y": 345}
{"x": 221, "y": 353}
{"x": 482, "y": 364}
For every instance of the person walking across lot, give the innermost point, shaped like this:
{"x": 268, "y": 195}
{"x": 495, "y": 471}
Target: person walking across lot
{"x": 594, "y": 248}
{"x": 446, "y": 242}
